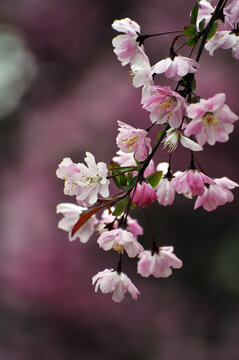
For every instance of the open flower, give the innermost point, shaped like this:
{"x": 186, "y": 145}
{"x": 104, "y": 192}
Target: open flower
{"x": 110, "y": 281}
{"x": 165, "y": 106}
{"x": 175, "y": 68}
{"x": 212, "y": 120}
{"x": 66, "y": 170}
{"x": 191, "y": 183}
{"x": 158, "y": 263}
{"x": 91, "y": 180}
{"x": 172, "y": 137}
{"x": 216, "y": 194}
{"x": 133, "y": 140}
{"x": 120, "y": 240}
{"x": 126, "y": 46}
{"x": 141, "y": 72}
{"x": 71, "y": 213}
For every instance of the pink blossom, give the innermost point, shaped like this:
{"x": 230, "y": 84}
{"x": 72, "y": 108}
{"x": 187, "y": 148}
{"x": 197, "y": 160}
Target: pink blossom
{"x": 158, "y": 263}
{"x": 222, "y": 39}
{"x": 71, "y": 213}
{"x": 165, "y": 192}
{"x": 126, "y": 46}
{"x": 91, "y": 180}
{"x": 124, "y": 159}
{"x": 172, "y": 137}
{"x": 144, "y": 194}
{"x": 110, "y": 281}
{"x": 165, "y": 106}
{"x": 211, "y": 120}
{"x": 175, "y": 68}
{"x": 133, "y": 140}
{"x": 108, "y": 219}
{"x": 205, "y": 12}
{"x": 120, "y": 240}
{"x": 233, "y": 9}
{"x": 141, "y": 72}
{"x": 191, "y": 182}
{"x": 66, "y": 170}
{"x": 216, "y": 194}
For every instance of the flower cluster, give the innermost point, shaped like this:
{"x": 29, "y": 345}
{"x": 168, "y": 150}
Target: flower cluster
{"x": 180, "y": 114}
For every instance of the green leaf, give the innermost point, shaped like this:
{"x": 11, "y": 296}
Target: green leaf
{"x": 189, "y": 30}
{"x": 154, "y": 179}
{"x": 194, "y": 14}
{"x": 202, "y": 24}
{"x": 160, "y": 134}
{"x": 193, "y": 41}
{"x": 132, "y": 206}
{"x": 213, "y": 30}
{"x": 187, "y": 118}
{"x": 121, "y": 205}
{"x": 193, "y": 84}
{"x": 131, "y": 184}
{"x": 119, "y": 179}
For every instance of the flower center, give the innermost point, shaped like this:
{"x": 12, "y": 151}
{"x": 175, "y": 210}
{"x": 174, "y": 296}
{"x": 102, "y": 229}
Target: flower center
{"x": 89, "y": 180}
{"x": 210, "y": 119}
{"x": 168, "y": 106}
{"x": 118, "y": 248}
{"x": 130, "y": 142}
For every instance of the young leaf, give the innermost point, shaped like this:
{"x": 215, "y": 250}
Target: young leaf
{"x": 131, "y": 184}
{"x": 189, "y": 30}
{"x": 119, "y": 179}
{"x": 160, "y": 134}
{"x": 213, "y": 30}
{"x": 202, "y": 24}
{"x": 193, "y": 41}
{"x": 154, "y": 179}
{"x": 194, "y": 14}
{"x": 84, "y": 217}
{"x": 121, "y": 205}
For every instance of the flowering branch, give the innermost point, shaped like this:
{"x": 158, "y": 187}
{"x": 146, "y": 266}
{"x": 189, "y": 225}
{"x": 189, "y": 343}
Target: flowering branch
{"x": 187, "y": 119}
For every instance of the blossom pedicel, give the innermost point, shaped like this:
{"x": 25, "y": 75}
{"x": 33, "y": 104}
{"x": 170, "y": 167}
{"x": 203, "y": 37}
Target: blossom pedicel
{"x": 175, "y": 111}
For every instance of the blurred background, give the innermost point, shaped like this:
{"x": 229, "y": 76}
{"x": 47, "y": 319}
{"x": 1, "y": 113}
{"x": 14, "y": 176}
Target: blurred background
{"x": 61, "y": 91}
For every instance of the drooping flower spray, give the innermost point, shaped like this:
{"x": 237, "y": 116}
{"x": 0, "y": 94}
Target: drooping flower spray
{"x": 183, "y": 118}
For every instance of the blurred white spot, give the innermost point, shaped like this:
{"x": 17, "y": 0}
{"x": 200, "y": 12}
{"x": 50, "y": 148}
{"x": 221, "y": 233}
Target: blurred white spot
{"x": 17, "y": 69}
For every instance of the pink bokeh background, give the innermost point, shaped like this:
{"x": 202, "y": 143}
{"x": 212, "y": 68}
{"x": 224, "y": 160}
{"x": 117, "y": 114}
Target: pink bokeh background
{"x": 47, "y": 304}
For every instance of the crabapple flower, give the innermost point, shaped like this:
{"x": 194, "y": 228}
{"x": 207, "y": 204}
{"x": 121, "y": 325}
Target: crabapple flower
{"x": 159, "y": 263}
{"x": 172, "y": 137}
{"x": 191, "y": 182}
{"x": 226, "y": 39}
{"x": 108, "y": 221}
{"x": 71, "y": 213}
{"x": 165, "y": 106}
{"x": 175, "y": 68}
{"x": 120, "y": 240}
{"x": 124, "y": 159}
{"x": 216, "y": 194}
{"x": 212, "y": 120}
{"x": 233, "y": 10}
{"x": 110, "y": 281}
{"x": 143, "y": 195}
{"x": 126, "y": 46}
{"x": 205, "y": 12}
{"x": 141, "y": 72}
{"x": 91, "y": 180}
{"x": 66, "y": 170}
{"x": 133, "y": 140}
{"x": 164, "y": 191}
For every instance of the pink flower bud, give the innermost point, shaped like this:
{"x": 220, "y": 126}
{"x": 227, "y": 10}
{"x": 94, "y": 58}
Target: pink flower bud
{"x": 144, "y": 194}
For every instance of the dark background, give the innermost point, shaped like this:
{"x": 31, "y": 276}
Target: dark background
{"x": 68, "y": 92}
